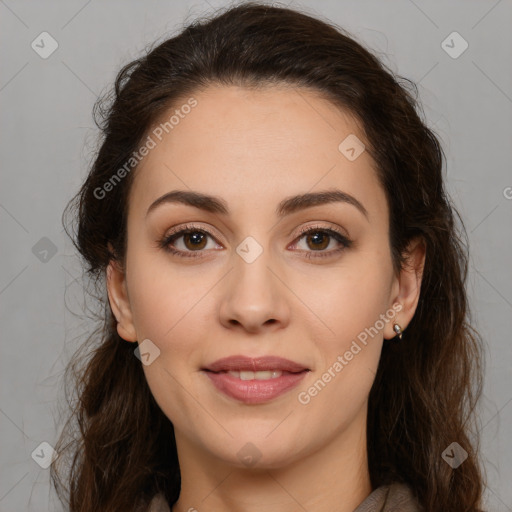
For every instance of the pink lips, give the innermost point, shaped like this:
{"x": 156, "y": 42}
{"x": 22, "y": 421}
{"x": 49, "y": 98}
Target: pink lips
{"x": 244, "y": 363}
{"x": 254, "y": 391}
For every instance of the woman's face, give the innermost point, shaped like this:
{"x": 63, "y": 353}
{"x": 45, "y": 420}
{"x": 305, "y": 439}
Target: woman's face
{"x": 249, "y": 283}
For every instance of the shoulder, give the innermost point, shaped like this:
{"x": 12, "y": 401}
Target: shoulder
{"x": 395, "y": 497}
{"x": 401, "y": 498}
{"x": 159, "y": 504}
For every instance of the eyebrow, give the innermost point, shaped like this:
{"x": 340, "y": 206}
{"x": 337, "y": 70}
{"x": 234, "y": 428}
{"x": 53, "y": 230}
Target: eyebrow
{"x": 217, "y": 205}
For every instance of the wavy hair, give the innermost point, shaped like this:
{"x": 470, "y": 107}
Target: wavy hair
{"x": 119, "y": 447}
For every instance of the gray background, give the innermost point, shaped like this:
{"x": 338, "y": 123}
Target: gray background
{"x": 47, "y": 141}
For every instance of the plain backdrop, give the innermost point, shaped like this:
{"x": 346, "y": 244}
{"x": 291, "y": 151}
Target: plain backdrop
{"x": 48, "y": 138}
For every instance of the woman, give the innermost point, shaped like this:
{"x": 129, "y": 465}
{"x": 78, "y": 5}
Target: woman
{"x": 283, "y": 285}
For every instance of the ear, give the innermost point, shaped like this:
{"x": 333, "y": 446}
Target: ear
{"x": 118, "y": 298}
{"x": 406, "y": 287}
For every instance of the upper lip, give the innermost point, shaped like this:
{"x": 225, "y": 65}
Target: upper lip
{"x": 244, "y": 363}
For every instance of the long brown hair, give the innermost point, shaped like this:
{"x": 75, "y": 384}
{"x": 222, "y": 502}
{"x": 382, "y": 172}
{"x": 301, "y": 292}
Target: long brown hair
{"x": 120, "y": 446}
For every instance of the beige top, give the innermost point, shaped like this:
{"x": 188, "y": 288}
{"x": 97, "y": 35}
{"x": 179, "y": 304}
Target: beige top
{"x": 386, "y": 498}
{"x": 396, "y": 497}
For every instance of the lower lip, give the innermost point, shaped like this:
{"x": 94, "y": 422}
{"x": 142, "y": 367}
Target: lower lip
{"x": 254, "y": 391}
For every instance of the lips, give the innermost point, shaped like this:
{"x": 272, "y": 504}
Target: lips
{"x": 241, "y": 363}
{"x": 255, "y": 380}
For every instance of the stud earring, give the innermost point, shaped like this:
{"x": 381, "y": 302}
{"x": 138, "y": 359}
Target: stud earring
{"x": 398, "y": 331}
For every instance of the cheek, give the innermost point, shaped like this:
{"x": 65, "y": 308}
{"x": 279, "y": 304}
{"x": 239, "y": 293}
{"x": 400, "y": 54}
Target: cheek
{"x": 351, "y": 306}
{"x": 165, "y": 310}
{"x": 353, "y": 296}
{"x": 163, "y": 298}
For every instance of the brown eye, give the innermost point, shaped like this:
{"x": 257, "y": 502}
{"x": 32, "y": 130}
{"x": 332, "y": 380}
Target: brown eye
{"x": 318, "y": 239}
{"x": 189, "y": 242}
{"x": 194, "y": 240}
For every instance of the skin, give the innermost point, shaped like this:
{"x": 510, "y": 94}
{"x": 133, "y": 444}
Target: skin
{"x": 253, "y": 149}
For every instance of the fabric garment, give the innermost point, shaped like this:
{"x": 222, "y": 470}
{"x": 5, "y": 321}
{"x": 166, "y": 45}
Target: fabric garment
{"x": 395, "y": 497}
{"x": 159, "y": 504}
{"x": 387, "y": 498}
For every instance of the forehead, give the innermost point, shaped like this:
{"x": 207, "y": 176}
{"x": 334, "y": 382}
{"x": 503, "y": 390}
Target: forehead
{"x": 253, "y": 147}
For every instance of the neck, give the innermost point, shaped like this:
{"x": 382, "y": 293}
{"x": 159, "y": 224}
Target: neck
{"x": 332, "y": 477}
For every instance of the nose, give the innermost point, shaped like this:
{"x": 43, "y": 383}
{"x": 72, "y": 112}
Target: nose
{"x": 254, "y": 297}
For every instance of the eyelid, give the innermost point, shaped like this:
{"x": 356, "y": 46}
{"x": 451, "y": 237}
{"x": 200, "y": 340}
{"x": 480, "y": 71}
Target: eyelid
{"x": 190, "y": 227}
{"x": 302, "y": 230}
{"x": 329, "y": 226}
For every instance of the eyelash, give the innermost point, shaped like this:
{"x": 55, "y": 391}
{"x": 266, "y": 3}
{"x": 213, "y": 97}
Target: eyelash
{"x": 165, "y": 242}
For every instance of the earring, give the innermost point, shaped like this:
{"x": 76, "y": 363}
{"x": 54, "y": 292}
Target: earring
{"x": 398, "y": 330}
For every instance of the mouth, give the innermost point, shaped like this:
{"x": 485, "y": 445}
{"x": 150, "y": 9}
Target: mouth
{"x": 243, "y": 364}
{"x": 258, "y": 375}
{"x": 254, "y": 380}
